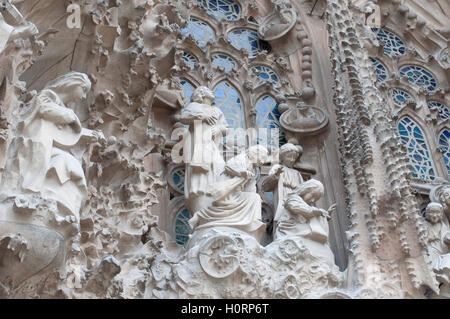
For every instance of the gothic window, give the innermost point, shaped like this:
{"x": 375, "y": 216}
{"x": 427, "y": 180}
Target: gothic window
{"x": 392, "y": 44}
{"x": 380, "y": 69}
{"x": 220, "y": 60}
{"x": 200, "y": 30}
{"x": 268, "y": 116}
{"x": 266, "y": 75}
{"x": 182, "y": 227}
{"x": 400, "y": 97}
{"x": 444, "y": 112}
{"x": 247, "y": 39}
{"x": 188, "y": 88}
{"x": 413, "y": 139}
{"x": 219, "y": 9}
{"x": 419, "y": 77}
{"x": 229, "y": 101}
{"x": 189, "y": 59}
{"x": 444, "y": 139}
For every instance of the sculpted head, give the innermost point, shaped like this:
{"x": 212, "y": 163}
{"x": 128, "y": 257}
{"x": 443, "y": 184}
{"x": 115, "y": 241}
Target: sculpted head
{"x": 311, "y": 191}
{"x": 203, "y": 95}
{"x": 444, "y": 197}
{"x": 434, "y": 212}
{"x": 70, "y": 87}
{"x": 289, "y": 154}
{"x": 258, "y": 155}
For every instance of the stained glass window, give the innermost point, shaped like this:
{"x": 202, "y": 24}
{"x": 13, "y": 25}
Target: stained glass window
{"x": 401, "y": 97}
{"x": 268, "y": 116}
{"x": 444, "y": 112}
{"x": 188, "y": 89}
{"x": 444, "y": 139}
{"x": 189, "y": 59}
{"x": 178, "y": 178}
{"x": 182, "y": 227}
{"x": 200, "y": 30}
{"x": 392, "y": 44}
{"x": 223, "y": 61}
{"x": 229, "y": 101}
{"x": 419, "y": 77}
{"x": 247, "y": 39}
{"x": 417, "y": 149}
{"x": 266, "y": 75}
{"x": 380, "y": 69}
{"x": 219, "y": 9}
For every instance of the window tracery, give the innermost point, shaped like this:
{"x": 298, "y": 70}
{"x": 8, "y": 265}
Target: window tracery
{"x": 401, "y": 97}
{"x": 414, "y": 140}
{"x": 444, "y": 112}
{"x": 247, "y": 39}
{"x": 444, "y": 144}
{"x": 268, "y": 116}
{"x": 392, "y": 44}
{"x": 200, "y": 30}
{"x": 229, "y": 101}
{"x": 380, "y": 70}
{"x": 219, "y": 9}
{"x": 220, "y": 60}
{"x": 266, "y": 75}
{"x": 182, "y": 229}
{"x": 189, "y": 59}
{"x": 419, "y": 77}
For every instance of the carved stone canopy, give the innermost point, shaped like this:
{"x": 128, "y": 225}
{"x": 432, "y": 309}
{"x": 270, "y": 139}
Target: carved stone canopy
{"x": 304, "y": 120}
{"x": 277, "y": 24}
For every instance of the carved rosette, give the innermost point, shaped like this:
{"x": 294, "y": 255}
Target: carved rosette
{"x": 218, "y": 256}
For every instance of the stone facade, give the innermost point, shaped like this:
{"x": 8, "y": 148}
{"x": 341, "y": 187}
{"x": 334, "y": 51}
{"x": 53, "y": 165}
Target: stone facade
{"x": 224, "y": 149}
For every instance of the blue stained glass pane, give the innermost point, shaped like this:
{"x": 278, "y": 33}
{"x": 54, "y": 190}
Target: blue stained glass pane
{"x": 417, "y": 150}
{"x": 223, "y": 61}
{"x": 182, "y": 227}
{"x": 380, "y": 70}
{"x": 266, "y": 75}
{"x": 400, "y": 97}
{"x": 200, "y": 30}
{"x": 444, "y": 112}
{"x": 219, "y": 9}
{"x": 228, "y": 100}
{"x": 392, "y": 44}
{"x": 178, "y": 179}
{"x": 268, "y": 117}
{"x": 247, "y": 39}
{"x": 444, "y": 143}
{"x": 188, "y": 89}
{"x": 419, "y": 77}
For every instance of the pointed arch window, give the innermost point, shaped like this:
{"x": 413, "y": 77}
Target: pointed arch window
{"x": 229, "y": 101}
{"x": 444, "y": 112}
{"x": 268, "y": 116}
{"x": 266, "y": 75}
{"x": 178, "y": 178}
{"x": 223, "y": 61}
{"x": 380, "y": 70}
{"x": 392, "y": 44}
{"x": 418, "y": 152}
{"x": 444, "y": 146}
{"x": 419, "y": 77}
{"x": 219, "y": 9}
{"x": 200, "y": 30}
{"x": 249, "y": 40}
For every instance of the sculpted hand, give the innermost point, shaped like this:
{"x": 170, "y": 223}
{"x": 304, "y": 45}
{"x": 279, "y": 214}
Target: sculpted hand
{"x": 278, "y": 171}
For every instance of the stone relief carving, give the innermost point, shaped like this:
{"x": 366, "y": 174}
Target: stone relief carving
{"x": 304, "y": 120}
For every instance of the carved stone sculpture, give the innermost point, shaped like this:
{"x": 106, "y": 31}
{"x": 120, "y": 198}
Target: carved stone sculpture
{"x": 302, "y": 220}
{"x": 203, "y": 158}
{"x": 283, "y": 178}
{"x": 235, "y": 201}
{"x": 44, "y": 185}
{"x": 439, "y": 241}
